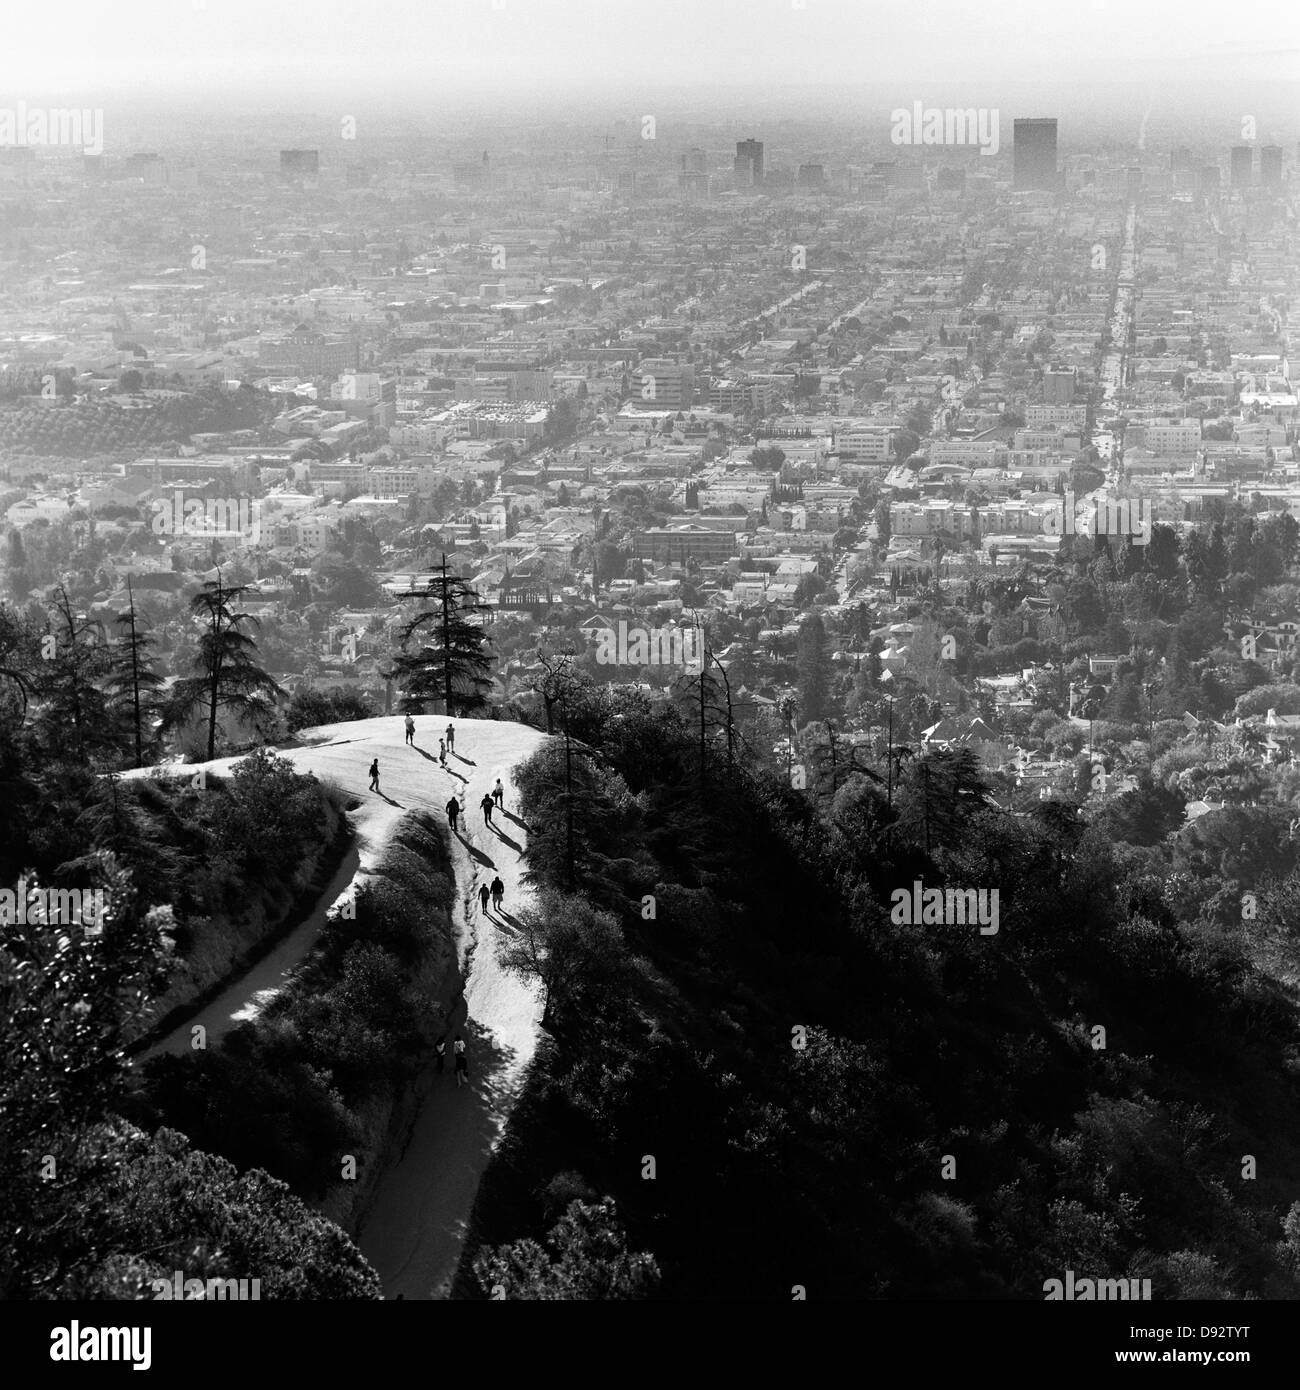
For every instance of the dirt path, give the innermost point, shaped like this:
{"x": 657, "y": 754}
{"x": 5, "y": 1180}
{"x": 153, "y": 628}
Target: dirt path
{"x": 417, "y": 1218}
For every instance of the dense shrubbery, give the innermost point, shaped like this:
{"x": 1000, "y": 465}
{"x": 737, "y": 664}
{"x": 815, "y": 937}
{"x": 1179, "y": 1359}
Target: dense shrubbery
{"x": 311, "y": 707}
{"x": 285, "y": 1092}
{"x": 145, "y": 1206}
{"x": 674, "y": 1032}
{"x": 153, "y": 1205}
{"x": 206, "y": 849}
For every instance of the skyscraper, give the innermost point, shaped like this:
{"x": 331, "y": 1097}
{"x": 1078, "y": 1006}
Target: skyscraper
{"x": 693, "y": 181}
{"x": 749, "y": 163}
{"x": 1270, "y": 164}
{"x": 1034, "y": 164}
{"x": 1243, "y": 157}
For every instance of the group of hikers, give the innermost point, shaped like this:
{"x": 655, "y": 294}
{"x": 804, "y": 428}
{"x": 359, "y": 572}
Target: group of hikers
{"x": 462, "y": 1062}
{"x": 496, "y": 890}
{"x": 447, "y": 744}
{"x": 491, "y": 800}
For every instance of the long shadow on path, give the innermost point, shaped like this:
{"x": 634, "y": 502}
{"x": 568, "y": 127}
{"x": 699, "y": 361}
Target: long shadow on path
{"x": 476, "y": 854}
{"x": 505, "y": 839}
{"x": 415, "y": 1229}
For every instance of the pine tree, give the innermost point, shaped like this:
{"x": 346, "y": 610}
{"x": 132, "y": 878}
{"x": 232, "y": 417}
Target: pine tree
{"x": 17, "y": 578}
{"x": 133, "y": 684}
{"x": 18, "y": 661}
{"x": 73, "y": 718}
{"x": 452, "y": 664}
{"x": 940, "y": 793}
{"x": 226, "y": 675}
{"x": 814, "y": 667}
{"x": 706, "y": 704}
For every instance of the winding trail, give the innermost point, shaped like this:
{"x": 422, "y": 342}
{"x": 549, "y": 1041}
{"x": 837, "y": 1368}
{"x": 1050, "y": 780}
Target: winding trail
{"x": 417, "y": 1218}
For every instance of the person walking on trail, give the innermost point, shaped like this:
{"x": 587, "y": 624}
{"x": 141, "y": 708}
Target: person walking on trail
{"x": 374, "y": 775}
{"x": 462, "y": 1063}
{"x": 486, "y": 804}
{"x": 451, "y": 738}
{"x": 499, "y": 794}
{"x": 498, "y": 892}
{"x": 442, "y": 751}
{"x": 453, "y": 811}
{"x": 441, "y": 1048}
{"x": 410, "y": 730}
{"x": 483, "y": 897}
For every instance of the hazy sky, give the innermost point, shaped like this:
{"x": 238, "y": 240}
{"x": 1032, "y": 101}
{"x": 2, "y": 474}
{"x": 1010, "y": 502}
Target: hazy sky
{"x": 91, "y": 49}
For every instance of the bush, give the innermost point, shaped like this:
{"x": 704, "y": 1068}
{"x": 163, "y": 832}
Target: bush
{"x": 588, "y": 1259}
{"x": 285, "y": 1092}
{"x": 159, "y": 1205}
{"x": 269, "y": 816}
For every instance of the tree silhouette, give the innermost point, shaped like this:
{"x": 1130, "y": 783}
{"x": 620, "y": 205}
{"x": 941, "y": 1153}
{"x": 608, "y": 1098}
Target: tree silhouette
{"x": 452, "y": 665}
{"x": 132, "y": 684}
{"x": 73, "y": 719}
{"x": 226, "y": 675}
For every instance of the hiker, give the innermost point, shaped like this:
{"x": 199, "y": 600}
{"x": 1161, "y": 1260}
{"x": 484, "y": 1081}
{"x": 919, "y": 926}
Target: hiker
{"x": 451, "y": 738}
{"x": 486, "y": 804}
{"x": 442, "y": 751}
{"x": 453, "y": 810}
{"x": 374, "y": 775}
{"x": 499, "y": 794}
{"x": 441, "y": 1048}
{"x": 498, "y": 892}
{"x": 483, "y": 897}
{"x": 410, "y": 730}
{"x": 462, "y": 1063}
